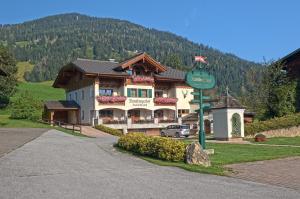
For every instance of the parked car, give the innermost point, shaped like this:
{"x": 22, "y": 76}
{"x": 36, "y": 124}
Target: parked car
{"x": 176, "y": 131}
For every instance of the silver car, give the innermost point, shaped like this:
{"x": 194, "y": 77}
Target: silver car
{"x": 176, "y": 130}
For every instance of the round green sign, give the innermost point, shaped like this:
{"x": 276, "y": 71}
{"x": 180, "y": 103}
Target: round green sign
{"x": 200, "y": 79}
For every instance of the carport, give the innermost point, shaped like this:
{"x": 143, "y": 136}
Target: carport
{"x": 61, "y": 111}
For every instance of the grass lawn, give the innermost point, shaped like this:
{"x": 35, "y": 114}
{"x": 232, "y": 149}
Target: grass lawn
{"x": 6, "y": 122}
{"x": 23, "y": 67}
{"x": 232, "y": 153}
{"x": 280, "y": 141}
{"x": 41, "y": 91}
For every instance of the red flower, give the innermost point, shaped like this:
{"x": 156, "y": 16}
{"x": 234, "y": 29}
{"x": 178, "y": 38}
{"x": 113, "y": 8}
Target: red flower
{"x": 142, "y": 79}
{"x": 111, "y": 99}
{"x": 165, "y": 100}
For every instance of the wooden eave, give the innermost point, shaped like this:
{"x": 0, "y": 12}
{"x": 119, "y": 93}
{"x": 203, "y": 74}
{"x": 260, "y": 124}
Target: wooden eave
{"x": 144, "y": 57}
{"x": 63, "y": 74}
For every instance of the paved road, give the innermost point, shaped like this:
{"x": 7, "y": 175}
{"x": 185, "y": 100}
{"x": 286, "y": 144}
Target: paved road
{"x": 284, "y": 172}
{"x": 12, "y": 138}
{"x": 57, "y": 165}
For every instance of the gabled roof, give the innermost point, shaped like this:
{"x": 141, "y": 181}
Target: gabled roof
{"x": 61, "y": 105}
{"x": 290, "y": 56}
{"x": 97, "y": 67}
{"x": 2, "y": 73}
{"x": 227, "y": 101}
{"x": 172, "y": 73}
{"x": 145, "y": 58}
{"x": 115, "y": 69}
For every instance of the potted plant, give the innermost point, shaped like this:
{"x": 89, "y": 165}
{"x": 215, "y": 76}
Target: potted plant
{"x": 260, "y": 137}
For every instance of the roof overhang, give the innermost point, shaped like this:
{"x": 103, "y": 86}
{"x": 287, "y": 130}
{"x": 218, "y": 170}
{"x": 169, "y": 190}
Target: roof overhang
{"x": 61, "y": 105}
{"x": 144, "y": 57}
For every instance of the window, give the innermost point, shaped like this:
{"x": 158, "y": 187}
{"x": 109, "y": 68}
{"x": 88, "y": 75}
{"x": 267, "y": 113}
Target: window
{"x": 105, "y": 113}
{"x": 76, "y": 96}
{"x": 105, "y": 92}
{"x": 70, "y": 96}
{"x": 132, "y": 92}
{"x": 82, "y": 94}
{"x": 158, "y": 93}
{"x": 143, "y": 93}
{"x": 82, "y": 115}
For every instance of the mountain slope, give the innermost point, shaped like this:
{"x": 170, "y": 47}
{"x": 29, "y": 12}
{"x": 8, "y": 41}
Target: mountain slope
{"x": 51, "y": 42}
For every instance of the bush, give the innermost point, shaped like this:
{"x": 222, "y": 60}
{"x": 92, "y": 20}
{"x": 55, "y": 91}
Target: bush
{"x": 109, "y": 130}
{"x": 26, "y": 107}
{"x": 157, "y": 147}
{"x": 272, "y": 124}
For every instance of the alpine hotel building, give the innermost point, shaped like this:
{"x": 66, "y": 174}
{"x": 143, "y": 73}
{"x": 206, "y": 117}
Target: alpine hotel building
{"x": 138, "y": 94}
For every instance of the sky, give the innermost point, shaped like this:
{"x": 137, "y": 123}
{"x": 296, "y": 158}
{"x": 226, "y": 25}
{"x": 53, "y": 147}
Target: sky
{"x": 255, "y": 30}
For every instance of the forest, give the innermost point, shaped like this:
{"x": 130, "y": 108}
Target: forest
{"x": 49, "y": 43}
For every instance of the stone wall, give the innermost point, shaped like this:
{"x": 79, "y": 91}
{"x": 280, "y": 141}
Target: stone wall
{"x": 288, "y": 132}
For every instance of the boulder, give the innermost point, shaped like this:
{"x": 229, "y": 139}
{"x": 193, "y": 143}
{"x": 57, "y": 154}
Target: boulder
{"x": 196, "y": 155}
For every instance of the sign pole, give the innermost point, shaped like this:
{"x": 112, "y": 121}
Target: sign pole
{"x": 201, "y": 122}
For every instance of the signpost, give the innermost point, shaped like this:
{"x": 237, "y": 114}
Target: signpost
{"x": 200, "y": 80}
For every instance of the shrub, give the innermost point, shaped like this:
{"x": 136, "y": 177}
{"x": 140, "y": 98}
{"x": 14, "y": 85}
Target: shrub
{"x": 272, "y": 124}
{"x": 157, "y": 147}
{"x": 109, "y": 130}
{"x": 26, "y": 107}
{"x": 260, "y": 137}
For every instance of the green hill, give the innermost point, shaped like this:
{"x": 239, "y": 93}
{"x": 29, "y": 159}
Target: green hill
{"x": 51, "y": 42}
{"x": 41, "y": 91}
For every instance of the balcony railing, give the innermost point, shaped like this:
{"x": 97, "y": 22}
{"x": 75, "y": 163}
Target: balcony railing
{"x": 147, "y": 121}
{"x": 111, "y": 99}
{"x": 111, "y": 121}
{"x": 165, "y": 101}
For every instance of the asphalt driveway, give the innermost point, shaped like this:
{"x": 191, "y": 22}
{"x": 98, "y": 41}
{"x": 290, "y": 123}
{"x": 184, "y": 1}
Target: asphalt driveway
{"x": 57, "y": 165}
{"x": 12, "y": 138}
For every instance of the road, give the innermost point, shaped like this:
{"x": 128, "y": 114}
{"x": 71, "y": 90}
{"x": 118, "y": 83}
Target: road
{"x": 58, "y": 165}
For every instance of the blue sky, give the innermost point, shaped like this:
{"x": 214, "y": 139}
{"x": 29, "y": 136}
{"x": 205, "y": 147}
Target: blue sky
{"x": 251, "y": 29}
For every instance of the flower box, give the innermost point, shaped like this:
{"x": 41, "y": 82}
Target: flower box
{"x": 142, "y": 79}
{"x": 165, "y": 100}
{"x": 111, "y": 99}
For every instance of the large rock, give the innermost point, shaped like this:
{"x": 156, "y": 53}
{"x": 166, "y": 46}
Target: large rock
{"x": 196, "y": 155}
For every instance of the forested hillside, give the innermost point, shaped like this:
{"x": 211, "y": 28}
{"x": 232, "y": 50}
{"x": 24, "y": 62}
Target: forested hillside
{"x": 51, "y": 42}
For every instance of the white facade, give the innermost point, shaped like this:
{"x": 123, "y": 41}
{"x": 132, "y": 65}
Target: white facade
{"x": 223, "y": 122}
{"x": 90, "y": 107}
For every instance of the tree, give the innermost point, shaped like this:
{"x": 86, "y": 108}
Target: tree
{"x": 173, "y": 61}
{"x": 281, "y": 91}
{"x": 25, "y": 106}
{"x": 8, "y": 83}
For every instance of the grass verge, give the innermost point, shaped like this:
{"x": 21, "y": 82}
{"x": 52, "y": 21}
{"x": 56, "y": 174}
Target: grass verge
{"x": 280, "y": 141}
{"x": 226, "y": 154}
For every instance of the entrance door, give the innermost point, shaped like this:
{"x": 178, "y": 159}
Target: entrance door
{"x": 134, "y": 115}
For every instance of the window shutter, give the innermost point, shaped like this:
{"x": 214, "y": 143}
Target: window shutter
{"x": 149, "y": 93}
{"x": 128, "y": 92}
{"x": 139, "y": 92}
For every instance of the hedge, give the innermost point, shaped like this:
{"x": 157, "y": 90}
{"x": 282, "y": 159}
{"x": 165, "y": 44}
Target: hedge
{"x": 272, "y": 124}
{"x": 157, "y": 147}
{"x": 109, "y": 130}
